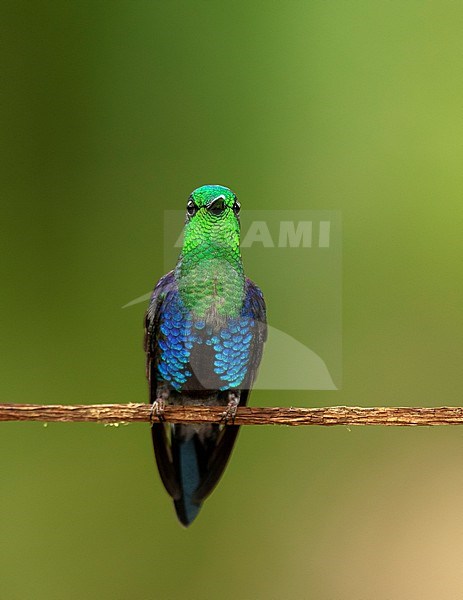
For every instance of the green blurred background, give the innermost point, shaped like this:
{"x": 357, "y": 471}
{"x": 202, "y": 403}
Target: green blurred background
{"x": 112, "y": 112}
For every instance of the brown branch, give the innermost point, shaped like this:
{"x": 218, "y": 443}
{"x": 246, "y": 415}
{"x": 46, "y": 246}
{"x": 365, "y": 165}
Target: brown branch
{"x": 334, "y": 415}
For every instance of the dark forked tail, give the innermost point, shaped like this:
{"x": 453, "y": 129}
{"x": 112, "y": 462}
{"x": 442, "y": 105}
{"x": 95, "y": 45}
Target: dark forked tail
{"x": 191, "y": 460}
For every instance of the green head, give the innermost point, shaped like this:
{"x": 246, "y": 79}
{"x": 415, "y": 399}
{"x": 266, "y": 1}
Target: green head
{"x": 209, "y": 270}
{"x": 212, "y": 220}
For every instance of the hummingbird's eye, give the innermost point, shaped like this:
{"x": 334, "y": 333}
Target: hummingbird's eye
{"x": 236, "y": 207}
{"x": 191, "y": 208}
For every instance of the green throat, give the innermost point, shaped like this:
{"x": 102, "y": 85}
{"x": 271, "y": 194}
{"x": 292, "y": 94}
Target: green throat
{"x": 209, "y": 271}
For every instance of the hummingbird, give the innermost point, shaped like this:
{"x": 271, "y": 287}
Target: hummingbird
{"x": 205, "y": 330}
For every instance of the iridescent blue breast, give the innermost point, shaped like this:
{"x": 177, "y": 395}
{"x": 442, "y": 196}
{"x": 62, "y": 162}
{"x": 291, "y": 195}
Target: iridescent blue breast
{"x": 200, "y": 354}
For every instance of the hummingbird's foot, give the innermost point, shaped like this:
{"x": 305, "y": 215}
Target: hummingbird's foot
{"x": 159, "y": 405}
{"x": 157, "y": 409}
{"x": 230, "y": 413}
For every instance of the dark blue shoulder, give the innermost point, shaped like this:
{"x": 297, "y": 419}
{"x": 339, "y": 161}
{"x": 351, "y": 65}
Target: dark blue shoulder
{"x": 164, "y": 287}
{"x": 255, "y": 304}
{"x": 253, "y": 289}
{"x": 166, "y": 283}
{"x": 253, "y": 295}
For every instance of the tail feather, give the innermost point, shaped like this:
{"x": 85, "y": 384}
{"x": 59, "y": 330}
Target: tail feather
{"x": 163, "y": 454}
{"x": 217, "y": 461}
{"x": 186, "y": 464}
{"x": 191, "y": 460}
